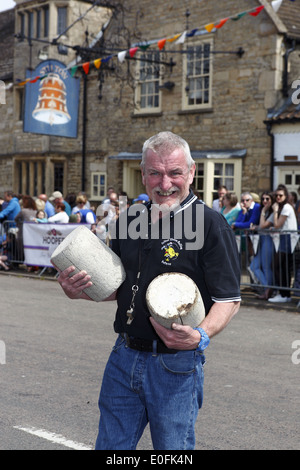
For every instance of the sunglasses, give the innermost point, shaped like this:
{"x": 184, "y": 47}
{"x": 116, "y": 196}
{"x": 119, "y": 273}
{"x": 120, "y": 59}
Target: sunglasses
{"x": 279, "y": 195}
{"x": 265, "y": 199}
{"x": 245, "y": 200}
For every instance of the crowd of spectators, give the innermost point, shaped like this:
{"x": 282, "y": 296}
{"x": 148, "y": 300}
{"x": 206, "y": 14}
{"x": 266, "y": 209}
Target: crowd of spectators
{"x": 274, "y": 216}
{"x": 271, "y": 211}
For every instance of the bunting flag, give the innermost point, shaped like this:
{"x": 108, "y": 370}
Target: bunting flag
{"x": 97, "y": 63}
{"x": 256, "y": 11}
{"x": 161, "y": 43}
{"x": 177, "y": 39}
{"x": 133, "y": 51}
{"x": 221, "y": 23}
{"x": 86, "y": 67}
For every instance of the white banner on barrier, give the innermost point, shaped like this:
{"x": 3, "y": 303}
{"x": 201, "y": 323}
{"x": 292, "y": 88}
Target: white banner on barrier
{"x": 40, "y": 241}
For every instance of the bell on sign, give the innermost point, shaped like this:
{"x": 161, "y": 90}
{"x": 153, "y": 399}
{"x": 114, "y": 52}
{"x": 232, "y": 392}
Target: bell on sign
{"x": 52, "y": 101}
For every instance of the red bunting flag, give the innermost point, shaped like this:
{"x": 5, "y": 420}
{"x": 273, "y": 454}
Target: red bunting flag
{"x": 256, "y": 11}
{"x": 161, "y": 44}
{"x": 132, "y": 51}
{"x": 34, "y": 80}
{"x": 221, "y": 23}
{"x": 86, "y": 67}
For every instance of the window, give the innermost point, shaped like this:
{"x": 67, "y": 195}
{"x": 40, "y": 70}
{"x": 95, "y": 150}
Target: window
{"x": 198, "y": 76}
{"x": 46, "y": 21}
{"x": 38, "y": 23}
{"x": 30, "y": 177}
{"x": 210, "y": 174}
{"x": 61, "y": 19}
{"x": 198, "y": 182}
{"x": 224, "y": 175}
{"x": 19, "y": 104}
{"x": 59, "y": 176}
{"x": 147, "y": 96}
{"x": 30, "y": 23}
{"x": 22, "y": 24}
{"x": 98, "y": 186}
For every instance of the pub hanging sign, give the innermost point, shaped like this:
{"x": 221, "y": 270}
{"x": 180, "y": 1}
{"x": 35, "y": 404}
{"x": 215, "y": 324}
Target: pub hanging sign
{"x": 52, "y": 101}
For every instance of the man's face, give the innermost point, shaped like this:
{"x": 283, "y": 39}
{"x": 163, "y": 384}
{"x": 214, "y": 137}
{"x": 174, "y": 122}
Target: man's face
{"x": 246, "y": 201}
{"x": 221, "y": 193}
{"x": 167, "y": 177}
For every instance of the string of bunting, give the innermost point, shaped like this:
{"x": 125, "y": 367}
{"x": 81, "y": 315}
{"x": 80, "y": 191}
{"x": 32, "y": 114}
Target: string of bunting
{"x": 177, "y": 39}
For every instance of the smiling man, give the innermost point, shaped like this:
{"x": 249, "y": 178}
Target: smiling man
{"x": 155, "y": 374}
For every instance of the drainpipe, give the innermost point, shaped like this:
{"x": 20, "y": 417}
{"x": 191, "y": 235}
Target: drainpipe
{"x": 84, "y": 120}
{"x": 269, "y": 128}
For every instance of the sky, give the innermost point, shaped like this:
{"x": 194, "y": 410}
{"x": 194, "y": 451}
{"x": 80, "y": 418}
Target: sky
{"x": 6, "y": 4}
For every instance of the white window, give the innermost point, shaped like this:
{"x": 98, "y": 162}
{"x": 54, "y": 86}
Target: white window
{"x": 148, "y": 95}
{"x": 98, "y": 186}
{"x": 210, "y": 174}
{"x": 197, "y": 80}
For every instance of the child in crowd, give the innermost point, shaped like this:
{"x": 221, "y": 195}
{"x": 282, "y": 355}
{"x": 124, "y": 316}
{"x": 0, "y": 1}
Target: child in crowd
{"x": 41, "y": 217}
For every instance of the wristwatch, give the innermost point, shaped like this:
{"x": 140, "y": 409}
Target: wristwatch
{"x": 204, "y": 340}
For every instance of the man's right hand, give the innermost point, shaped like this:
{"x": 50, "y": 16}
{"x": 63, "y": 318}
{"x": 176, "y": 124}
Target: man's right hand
{"x": 73, "y": 286}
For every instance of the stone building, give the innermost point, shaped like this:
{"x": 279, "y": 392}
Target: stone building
{"x": 220, "y": 74}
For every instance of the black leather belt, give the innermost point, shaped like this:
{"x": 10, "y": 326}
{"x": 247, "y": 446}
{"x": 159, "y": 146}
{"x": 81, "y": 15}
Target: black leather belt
{"x": 155, "y": 346}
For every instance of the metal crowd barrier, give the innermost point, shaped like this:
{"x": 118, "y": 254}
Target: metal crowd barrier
{"x": 270, "y": 259}
{"x": 11, "y": 245}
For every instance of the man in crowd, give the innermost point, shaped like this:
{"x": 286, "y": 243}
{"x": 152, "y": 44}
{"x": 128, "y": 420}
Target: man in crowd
{"x": 155, "y": 374}
{"x": 249, "y": 214}
{"x": 12, "y": 208}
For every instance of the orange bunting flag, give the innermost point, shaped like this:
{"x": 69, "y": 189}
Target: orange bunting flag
{"x": 174, "y": 37}
{"x": 209, "y": 27}
{"x": 161, "y": 44}
{"x": 256, "y": 11}
{"x": 86, "y": 67}
{"x": 132, "y": 51}
{"x": 221, "y": 23}
{"x": 97, "y": 63}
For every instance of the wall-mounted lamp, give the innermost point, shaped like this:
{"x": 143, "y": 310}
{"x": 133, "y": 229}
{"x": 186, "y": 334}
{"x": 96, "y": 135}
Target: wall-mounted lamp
{"x": 43, "y": 54}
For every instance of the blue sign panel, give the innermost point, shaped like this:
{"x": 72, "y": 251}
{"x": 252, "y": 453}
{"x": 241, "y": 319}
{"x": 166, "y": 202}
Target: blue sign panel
{"x": 51, "y": 100}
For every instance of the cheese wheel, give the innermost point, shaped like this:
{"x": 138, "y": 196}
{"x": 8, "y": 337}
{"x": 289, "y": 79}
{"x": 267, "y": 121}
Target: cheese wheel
{"x": 85, "y": 251}
{"x": 175, "y": 298}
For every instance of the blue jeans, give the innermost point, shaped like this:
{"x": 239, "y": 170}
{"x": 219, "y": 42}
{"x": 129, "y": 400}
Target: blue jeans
{"x": 165, "y": 390}
{"x": 262, "y": 262}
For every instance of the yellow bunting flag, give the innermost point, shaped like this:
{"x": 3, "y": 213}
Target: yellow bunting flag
{"x": 209, "y": 27}
{"x": 174, "y": 37}
{"x": 97, "y": 63}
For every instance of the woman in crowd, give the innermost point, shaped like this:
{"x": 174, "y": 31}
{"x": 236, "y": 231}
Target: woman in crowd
{"x": 230, "y": 208}
{"x": 283, "y": 219}
{"x": 27, "y": 214}
{"x": 261, "y": 265}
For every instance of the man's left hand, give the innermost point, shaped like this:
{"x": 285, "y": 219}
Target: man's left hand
{"x": 181, "y": 337}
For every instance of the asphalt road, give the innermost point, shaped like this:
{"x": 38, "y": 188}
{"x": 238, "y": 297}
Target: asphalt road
{"x": 55, "y": 352}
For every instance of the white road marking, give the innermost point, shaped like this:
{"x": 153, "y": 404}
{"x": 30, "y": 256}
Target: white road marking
{"x": 55, "y": 438}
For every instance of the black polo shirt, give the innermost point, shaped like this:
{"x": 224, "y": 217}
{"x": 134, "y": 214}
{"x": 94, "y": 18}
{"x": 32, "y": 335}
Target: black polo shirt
{"x": 210, "y": 258}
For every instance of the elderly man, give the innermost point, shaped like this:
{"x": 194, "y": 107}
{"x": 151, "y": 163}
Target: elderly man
{"x": 155, "y": 374}
{"x": 249, "y": 213}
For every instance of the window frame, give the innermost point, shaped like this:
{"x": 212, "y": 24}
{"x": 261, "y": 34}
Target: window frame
{"x": 185, "y": 79}
{"x": 97, "y": 197}
{"x": 208, "y": 177}
{"x": 139, "y": 82}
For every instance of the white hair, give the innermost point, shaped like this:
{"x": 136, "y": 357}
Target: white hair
{"x": 166, "y": 142}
